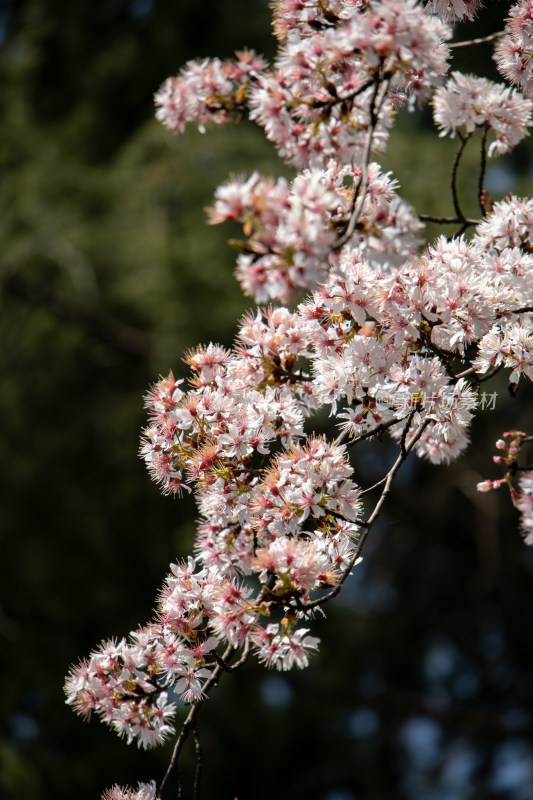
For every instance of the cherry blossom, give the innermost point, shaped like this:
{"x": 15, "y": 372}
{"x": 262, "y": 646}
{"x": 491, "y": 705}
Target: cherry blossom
{"x": 292, "y": 229}
{"x": 515, "y": 47}
{"x": 207, "y": 92}
{"x": 283, "y": 649}
{"x": 144, "y": 791}
{"x": 117, "y": 682}
{"x": 524, "y": 503}
{"x": 396, "y": 336}
{"x": 470, "y": 102}
{"x": 449, "y": 10}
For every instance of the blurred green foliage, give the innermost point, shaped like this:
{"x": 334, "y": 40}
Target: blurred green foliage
{"x": 108, "y": 274}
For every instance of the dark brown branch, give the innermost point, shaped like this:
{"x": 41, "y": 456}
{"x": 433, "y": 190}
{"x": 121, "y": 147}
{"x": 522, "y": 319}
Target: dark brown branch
{"x": 523, "y": 310}
{"x": 367, "y": 524}
{"x": 336, "y": 100}
{"x": 490, "y": 374}
{"x": 455, "y": 166}
{"x": 232, "y": 667}
{"x": 466, "y": 373}
{"x": 197, "y": 774}
{"x": 376, "y": 431}
{"x": 374, "y": 486}
{"x": 447, "y": 220}
{"x": 403, "y": 451}
{"x": 482, "y": 170}
{"x": 189, "y": 726}
{"x": 182, "y": 738}
{"x": 360, "y": 191}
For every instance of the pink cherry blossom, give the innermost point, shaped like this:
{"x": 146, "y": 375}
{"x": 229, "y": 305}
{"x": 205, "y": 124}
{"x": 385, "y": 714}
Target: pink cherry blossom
{"x": 515, "y": 47}
{"x": 470, "y": 102}
{"x": 524, "y": 503}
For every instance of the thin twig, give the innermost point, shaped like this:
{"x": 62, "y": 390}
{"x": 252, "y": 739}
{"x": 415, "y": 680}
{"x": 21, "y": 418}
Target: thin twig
{"x": 523, "y": 310}
{"x": 375, "y": 431}
{"x": 447, "y": 220}
{"x": 379, "y": 429}
{"x": 336, "y": 100}
{"x": 360, "y": 191}
{"x": 182, "y": 738}
{"x": 466, "y": 373}
{"x": 490, "y": 374}
{"x": 367, "y": 525}
{"x": 455, "y": 165}
{"x": 476, "y": 42}
{"x": 198, "y": 751}
{"x": 482, "y": 170}
{"x": 403, "y": 451}
{"x": 190, "y": 721}
{"x": 374, "y": 486}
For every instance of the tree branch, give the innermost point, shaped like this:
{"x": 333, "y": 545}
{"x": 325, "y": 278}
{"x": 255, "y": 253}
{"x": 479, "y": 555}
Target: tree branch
{"x": 455, "y": 166}
{"x": 361, "y": 189}
{"x": 476, "y": 42}
{"x": 367, "y": 525}
{"x": 447, "y": 220}
{"x": 197, "y": 774}
{"x": 482, "y": 170}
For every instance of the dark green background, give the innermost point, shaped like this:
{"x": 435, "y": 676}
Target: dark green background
{"x": 422, "y": 688}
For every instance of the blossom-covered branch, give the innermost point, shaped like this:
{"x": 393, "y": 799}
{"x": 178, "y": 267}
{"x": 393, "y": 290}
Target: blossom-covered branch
{"x": 394, "y": 337}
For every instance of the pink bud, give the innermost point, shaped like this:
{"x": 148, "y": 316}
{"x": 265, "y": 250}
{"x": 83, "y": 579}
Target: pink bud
{"x": 500, "y": 445}
{"x": 485, "y": 486}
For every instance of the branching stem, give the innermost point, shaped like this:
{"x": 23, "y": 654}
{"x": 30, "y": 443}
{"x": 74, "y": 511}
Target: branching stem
{"x": 189, "y": 726}
{"x": 455, "y": 167}
{"x": 476, "y": 42}
{"x": 482, "y": 170}
{"x": 360, "y": 191}
{"x": 367, "y": 524}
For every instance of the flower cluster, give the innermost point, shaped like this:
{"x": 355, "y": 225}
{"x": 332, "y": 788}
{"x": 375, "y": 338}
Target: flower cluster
{"x": 320, "y": 98}
{"x": 207, "y": 92}
{"x": 509, "y": 454}
{"x": 118, "y": 682}
{"x": 469, "y": 102}
{"x": 374, "y": 324}
{"x": 242, "y": 408}
{"x": 451, "y": 10}
{"x": 380, "y": 381}
{"x": 515, "y": 47}
{"x": 524, "y": 503}
{"x": 127, "y": 683}
{"x": 509, "y": 225}
{"x": 307, "y": 16}
{"x": 508, "y": 344}
{"x": 292, "y": 229}
{"x": 388, "y": 341}
{"x": 145, "y": 791}
{"x": 277, "y": 648}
